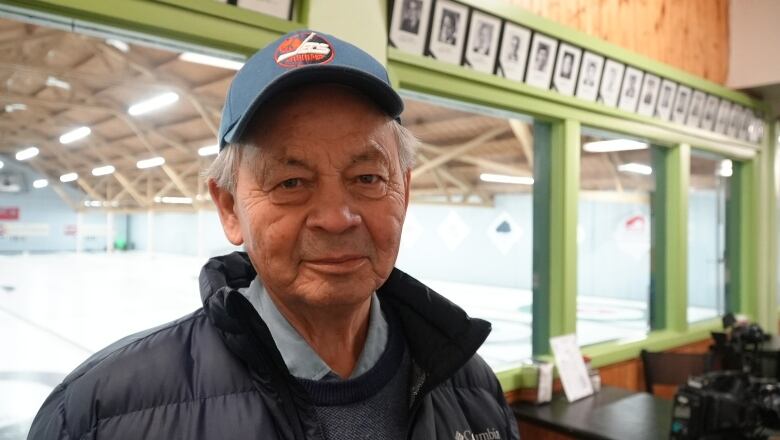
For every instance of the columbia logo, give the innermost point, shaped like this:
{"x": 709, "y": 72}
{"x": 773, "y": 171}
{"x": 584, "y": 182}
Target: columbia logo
{"x": 490, "y": 434}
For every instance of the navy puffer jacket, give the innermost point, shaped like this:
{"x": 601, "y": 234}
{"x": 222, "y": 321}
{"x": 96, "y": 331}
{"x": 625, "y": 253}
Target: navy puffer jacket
{"x": 217, "y": 374}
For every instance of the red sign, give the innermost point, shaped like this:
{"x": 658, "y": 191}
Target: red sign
{"x": 9, "y": 213}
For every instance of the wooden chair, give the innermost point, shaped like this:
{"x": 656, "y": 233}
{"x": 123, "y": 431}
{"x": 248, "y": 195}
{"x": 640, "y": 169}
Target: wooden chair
{"x": 668, "y": 368}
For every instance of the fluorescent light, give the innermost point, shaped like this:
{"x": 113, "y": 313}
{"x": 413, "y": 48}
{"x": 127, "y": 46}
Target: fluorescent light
{"x": 210, "y": 60}
{"x": 74, "y": 135}
{"x": 1, "y": 164}
{"x": 102, "y": 171}
{"x": 149, "y": 163}
{"x": 613, "y": 145}
{"x": 10, "y": 108}
{"x": 93, "y": 203}
{"x": 27, "y": 153}
{"x": 153, "y": 104}
{"x": 174, "y": 200}
{"x": 208, "y": 150}
{"x": 118, "y": 45}
{"x": 502, "y": 178}
{"x": 54, "y": 82}
{"x": 726, "y": 168}
{"x": 637, "y": 168}
{"x": 69, "y": 177}
{"x": 40, "y": 183}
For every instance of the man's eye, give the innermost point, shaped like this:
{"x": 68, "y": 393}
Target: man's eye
{"x": 291, "y": 183}
{"x": 368, "y": 178}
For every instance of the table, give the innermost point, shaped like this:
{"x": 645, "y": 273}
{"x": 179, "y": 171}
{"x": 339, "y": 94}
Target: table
{"x": 613, "y": 413}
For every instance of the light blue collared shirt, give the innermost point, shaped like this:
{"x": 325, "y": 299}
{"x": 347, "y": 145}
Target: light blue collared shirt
{"x": 302, "y": 361}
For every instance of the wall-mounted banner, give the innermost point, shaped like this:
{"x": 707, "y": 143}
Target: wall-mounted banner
{"x": 459, "y": 34}
{"x": 9, "y": 213}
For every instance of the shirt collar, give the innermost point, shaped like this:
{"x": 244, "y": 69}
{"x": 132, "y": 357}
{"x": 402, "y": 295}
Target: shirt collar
{"x": 302, "y": 361}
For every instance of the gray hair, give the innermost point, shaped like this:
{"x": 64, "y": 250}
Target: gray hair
{"x": 224, "y": 169}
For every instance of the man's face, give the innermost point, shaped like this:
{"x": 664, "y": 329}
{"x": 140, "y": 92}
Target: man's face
{"x": 320, "y": 210}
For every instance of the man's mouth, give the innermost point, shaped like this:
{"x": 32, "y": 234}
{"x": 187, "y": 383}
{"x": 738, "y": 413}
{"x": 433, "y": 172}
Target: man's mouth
{"x": 337, "y": 265}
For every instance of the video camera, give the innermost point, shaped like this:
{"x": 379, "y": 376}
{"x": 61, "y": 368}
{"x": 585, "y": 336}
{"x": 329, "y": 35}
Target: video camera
{"x": 725, "y": 405}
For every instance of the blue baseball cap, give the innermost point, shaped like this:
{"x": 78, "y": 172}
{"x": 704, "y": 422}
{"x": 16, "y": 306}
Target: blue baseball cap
{"x": 299, "y": 58}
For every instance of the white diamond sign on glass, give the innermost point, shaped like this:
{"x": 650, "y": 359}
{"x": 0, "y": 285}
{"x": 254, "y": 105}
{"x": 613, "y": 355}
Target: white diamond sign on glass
{"x": 504, "y": 232}
{"x": 453, "y": 230}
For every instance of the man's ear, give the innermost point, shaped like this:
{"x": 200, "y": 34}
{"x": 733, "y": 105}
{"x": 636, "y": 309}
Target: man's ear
{"x": 226, "y": 207}
{"x": 407, "y": 187}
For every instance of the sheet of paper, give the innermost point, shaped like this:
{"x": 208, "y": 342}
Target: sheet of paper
{"x": 544, "y": 384}
{"x": 571, "y": 367}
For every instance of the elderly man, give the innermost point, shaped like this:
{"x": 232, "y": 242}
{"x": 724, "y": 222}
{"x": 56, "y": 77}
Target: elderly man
{"x": 310, "y": 334}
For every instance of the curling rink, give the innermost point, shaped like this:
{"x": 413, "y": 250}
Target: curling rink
{"x": 57, "y": 309}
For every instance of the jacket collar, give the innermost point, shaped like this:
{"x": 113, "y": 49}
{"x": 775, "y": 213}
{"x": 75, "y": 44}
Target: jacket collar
{"x": 440, "y": 336}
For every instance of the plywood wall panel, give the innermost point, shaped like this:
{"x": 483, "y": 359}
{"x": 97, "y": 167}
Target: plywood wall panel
{"x": 692, "y": 35}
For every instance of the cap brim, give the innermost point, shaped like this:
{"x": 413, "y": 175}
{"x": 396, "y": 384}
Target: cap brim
{"x": 374, "y": 88}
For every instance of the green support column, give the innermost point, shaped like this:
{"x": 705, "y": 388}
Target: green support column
{"x": 741, "y": 240}
{"x": 669, "y": 295}
{"x": 766, "y": 217}
{"x": 556, "y": 191}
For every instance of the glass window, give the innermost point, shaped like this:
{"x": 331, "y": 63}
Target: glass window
{"x": 613, "y": 237}
{"x": 707, "y": 235}
{"x": 468, "y": 232}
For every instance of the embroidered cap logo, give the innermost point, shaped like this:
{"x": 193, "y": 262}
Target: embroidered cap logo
{"x": 303, "y": 49}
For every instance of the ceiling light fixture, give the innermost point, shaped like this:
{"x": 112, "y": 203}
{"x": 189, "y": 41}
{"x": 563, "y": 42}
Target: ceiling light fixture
{"x": 153, "y": 104}
{"x": 209, "y": 60}
{"x": 15, "y": 107}
{"x": 503, "y": 178}
{"x": 54, "y": 82}
{"x": 69, "y": 177}
{"x": 726, "y": 168}
{"x": 75, "y": 135}
{"x": 118, "y": 45}
{"x": 149, "y": 163}
{"x": 1, "y": 164}
{"x": 104, "y": 170}
{"x": 174, "y": 200}
{"x": 613, "y": 145}
{"x": 208, "y": 150}
{"x": 27, "y": 153}
{"x": 637, "y": 168}
{"x": 40, "y": 183}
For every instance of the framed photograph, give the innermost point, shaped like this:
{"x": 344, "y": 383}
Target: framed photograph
{"x": 448, "y": 32}
{"x": 747, "y": 121}
{"x": 609, "y": 90}
{"x": 722, "y": 121}
{"x": 681, "y": 103}
{"x": 629, "y": 92}
{"x": 756, "y": 129}
{"x": 648, "y": 97}
{"x": 277, "y": 8}
{"x": 514, "y": 51}
{"x": 710, "y": 113}
{"x": 735, "y": 120}
{"x": 482, "y": 45}
{"x": 696, "y": 110}
{"x": 663, "y": 108}
{"x": 540, "y": 67}
{"x": 590, "y": 73}
{"x": 409, "y": 25}
{"x": 566, "y": 68}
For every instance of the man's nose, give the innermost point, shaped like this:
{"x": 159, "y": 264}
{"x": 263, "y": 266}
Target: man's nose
{"x": 333, "y": 210}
